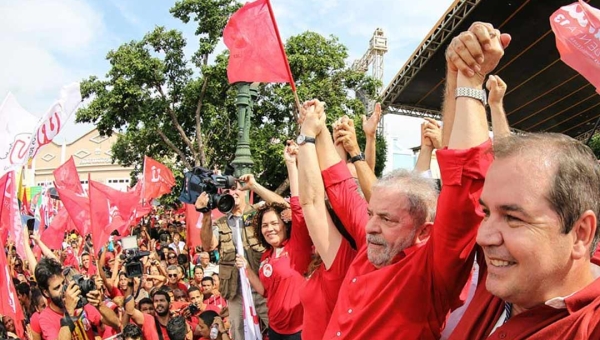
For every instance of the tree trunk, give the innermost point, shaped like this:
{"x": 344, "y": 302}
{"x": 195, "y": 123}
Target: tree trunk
{"x": 283, "y": 187}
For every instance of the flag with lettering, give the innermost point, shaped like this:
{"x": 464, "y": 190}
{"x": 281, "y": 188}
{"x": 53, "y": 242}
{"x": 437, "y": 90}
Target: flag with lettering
{"x": 66, "y": 177}
{"x": 22, "y": 134}
{"x": 100, "y": 216}
{"x": 10, "y": 217}
{"x": 251, "y": 326}
{"x": 9, "y": 303}
{"x": 256, "y": 53}
{"x": 158, "y": 179}
{"x": 577, "y": 31}
{"x": 122, "y": 204}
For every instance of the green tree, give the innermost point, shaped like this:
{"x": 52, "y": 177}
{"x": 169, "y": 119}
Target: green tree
{"x": 595, "y": 145}
{"x": 182, "y": 112}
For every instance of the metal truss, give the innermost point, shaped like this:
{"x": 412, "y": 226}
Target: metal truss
{"x": 446, "y": 26}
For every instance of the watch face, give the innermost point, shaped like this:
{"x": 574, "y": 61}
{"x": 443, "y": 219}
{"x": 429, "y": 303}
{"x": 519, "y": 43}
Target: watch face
{"x": 300, "y": 139}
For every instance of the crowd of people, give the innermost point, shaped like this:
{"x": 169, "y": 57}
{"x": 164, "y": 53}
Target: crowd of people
{"x": 504, "y": 250}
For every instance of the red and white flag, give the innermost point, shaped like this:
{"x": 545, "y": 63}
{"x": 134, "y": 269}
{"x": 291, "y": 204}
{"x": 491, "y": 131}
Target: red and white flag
{"x": 22, "y": 134}
{"x": 158, "y": 179}
{"x": 577, "y": 30}
{"x": 9, "y": 304}
{"x": 251, "y": 326}
{"x": 10, "y": 217}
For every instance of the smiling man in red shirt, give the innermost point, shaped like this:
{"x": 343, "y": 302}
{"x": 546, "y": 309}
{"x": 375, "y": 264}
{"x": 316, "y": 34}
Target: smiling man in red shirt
{"x": 409, "y": 271}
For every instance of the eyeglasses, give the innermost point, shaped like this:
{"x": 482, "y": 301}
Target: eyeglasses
{"x": 172, "y": 275}
{"x": 172, "y": 257}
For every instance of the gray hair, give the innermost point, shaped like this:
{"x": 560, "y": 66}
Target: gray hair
{"x": 421, "y": 193}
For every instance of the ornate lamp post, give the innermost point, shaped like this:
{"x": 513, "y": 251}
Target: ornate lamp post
{"x": 246, "y": 96}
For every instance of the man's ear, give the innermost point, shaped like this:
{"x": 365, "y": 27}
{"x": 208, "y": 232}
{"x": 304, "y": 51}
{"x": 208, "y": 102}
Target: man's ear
{"x": 423, "y": 233}
{"x": 584, "y": 232}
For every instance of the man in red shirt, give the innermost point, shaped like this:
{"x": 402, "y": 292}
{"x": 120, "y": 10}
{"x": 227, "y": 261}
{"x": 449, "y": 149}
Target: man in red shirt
{"x": 62, "y": 320}
{"x": 541, "y": 204}
{"x": 154, "y": 327}
{"x": 87, "y": 267}
{"x": 409, "y": 267}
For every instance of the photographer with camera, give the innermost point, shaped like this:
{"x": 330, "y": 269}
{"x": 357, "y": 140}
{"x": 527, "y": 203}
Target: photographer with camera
{"x": 74, "y": 305}
{"x": 236, "y": 224}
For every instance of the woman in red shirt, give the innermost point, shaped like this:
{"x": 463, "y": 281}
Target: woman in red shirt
{"x": 284, "y": 263}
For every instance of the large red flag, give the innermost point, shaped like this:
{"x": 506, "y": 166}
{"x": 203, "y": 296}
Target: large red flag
{"x": 10, "y": 217}
{"x": 125, "y": 203}
{"x": 78, "y": 207}
{"x": 53, "y": 236}
{"x": 256, "y": 53}
{"x": 9, "y": 305}
{"x": 104, "y": 216}
{"x": 158, "y": 179}
{"x": 577, "y": 30}
{"x": 66, "y": 177}
{"x": 193, "y": 224}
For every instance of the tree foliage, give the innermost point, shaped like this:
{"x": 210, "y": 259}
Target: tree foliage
{"x": 595, "y": 145}
{"x": 182, "y": 112}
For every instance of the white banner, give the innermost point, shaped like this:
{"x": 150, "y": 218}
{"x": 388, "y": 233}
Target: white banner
{"x": 251, "y": 327}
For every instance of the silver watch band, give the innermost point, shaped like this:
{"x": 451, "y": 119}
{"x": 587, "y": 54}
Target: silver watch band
{"x": 472, "y": 93}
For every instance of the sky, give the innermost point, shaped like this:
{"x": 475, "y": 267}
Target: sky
{"x": 50, "y": 43}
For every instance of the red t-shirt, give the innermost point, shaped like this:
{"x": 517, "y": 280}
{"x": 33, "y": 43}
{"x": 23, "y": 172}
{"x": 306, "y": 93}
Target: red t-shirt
{"x": 423, "y": 283}
{"x": 283, "y": 276}
{"x": 180, "y": 285}
{"x": 320, "y": 292}
{"x": 216, "y": 303}
{"x": 50, "y": 324}
{"x": 34, "y": 322}
{"x": 149, "y": 328}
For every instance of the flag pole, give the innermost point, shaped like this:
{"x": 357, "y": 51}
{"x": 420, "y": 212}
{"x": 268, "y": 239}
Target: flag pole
{"x": 144, "y": 182}
{"x": 287, "y": 63}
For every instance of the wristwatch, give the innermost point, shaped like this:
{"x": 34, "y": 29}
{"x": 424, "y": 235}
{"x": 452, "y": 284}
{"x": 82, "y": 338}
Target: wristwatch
{"x": 67, "y": 321}
{"x": 472, "y": 93}
{"x": 359, "y": 157}
{"x": 303, "y": 139}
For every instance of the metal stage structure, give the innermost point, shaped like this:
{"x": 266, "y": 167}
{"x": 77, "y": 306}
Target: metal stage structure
{"x": 544, "y": 94}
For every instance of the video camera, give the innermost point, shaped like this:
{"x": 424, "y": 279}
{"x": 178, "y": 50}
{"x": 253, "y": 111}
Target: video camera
{"x": 131, "y": 256}
{"x": 201, "y": 180}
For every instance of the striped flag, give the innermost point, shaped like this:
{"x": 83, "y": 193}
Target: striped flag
{"x": 251, "y": 327}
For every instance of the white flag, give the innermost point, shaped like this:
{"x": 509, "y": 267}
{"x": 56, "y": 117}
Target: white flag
{"x": 22, "y": 134}
{"x": 251, "y": 327}
{"x": 16, "y": 128}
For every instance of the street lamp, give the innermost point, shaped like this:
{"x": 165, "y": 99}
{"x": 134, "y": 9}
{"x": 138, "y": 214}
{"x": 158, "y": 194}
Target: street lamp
{"x": 247, "y": 94}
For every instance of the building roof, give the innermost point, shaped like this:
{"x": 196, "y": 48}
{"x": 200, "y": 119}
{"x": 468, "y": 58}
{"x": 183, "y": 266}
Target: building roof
{"x": 544, "y": 94}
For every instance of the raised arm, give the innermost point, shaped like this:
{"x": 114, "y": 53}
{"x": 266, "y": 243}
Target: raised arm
{"x": 45, "y": 250}
{"x": 346, "y": 135}
{"x": 325, "y": 236}
{"x": 431, "y": 138}
{"x": 209, "y": 241}
{"x": 31, "y": 260}
{"x": 269, "y": 196}
{"x": 370, "y": 129}
{"x": 497, "y": 88}
{"x": 340, "y": 187}
{"x": 463, "y": 166}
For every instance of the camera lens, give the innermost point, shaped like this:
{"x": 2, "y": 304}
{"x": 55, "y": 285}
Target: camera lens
{"x": 225, "y": 203}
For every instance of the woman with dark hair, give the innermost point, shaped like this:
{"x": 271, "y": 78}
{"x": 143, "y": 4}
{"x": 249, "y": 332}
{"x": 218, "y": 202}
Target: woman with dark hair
{"x": 283, "y": 265}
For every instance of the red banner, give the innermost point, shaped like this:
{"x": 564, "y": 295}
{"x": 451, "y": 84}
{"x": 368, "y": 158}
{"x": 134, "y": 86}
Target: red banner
{"x": 577, "y": 30}
{"x": 9, "y": 304}
{"x": 158, "y": 179}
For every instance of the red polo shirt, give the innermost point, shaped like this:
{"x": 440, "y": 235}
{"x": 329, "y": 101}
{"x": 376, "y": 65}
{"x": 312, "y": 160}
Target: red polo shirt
{"x": 580, "y": 319}
{"x": 320, "y": 292}
{"x": 422, "y": 284}
{"x": 283, "y": 276}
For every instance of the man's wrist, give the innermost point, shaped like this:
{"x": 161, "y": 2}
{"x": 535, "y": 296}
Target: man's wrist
{"x": 475, "y": 82}
{"x": 354, "y": 153}
{"x": 427, "y": 148}
{"x": 496, "y": 105}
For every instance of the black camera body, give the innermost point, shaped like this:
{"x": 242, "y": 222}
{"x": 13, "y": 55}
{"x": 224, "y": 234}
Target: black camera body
{"x": 85, "y": 286}
{"x": 201, "y": 180}
{"x": 193, "y": 309}
{"x": 133, "y": 265}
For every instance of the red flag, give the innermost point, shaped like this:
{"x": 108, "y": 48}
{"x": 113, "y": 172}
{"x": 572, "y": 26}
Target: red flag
{"x": 158, "y": 179}
{"x": 9, "y": 305}
{"x": 100, "y": 216}
{"x": 577, "y": 30}
{"x": 256, "y": 53}
{"x": 25, "y": 207}
{"x": 124, "y": 203}
{"x": 54, "y": 235}
{"x": 78, "y": 207}
{"x": 193, "y": 224}
{"x": 66, "y": 177}
{"x": 5, "y": 207}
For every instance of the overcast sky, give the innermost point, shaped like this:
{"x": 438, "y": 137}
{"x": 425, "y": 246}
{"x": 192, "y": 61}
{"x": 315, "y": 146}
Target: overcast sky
{"x": 50, "y": 43}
